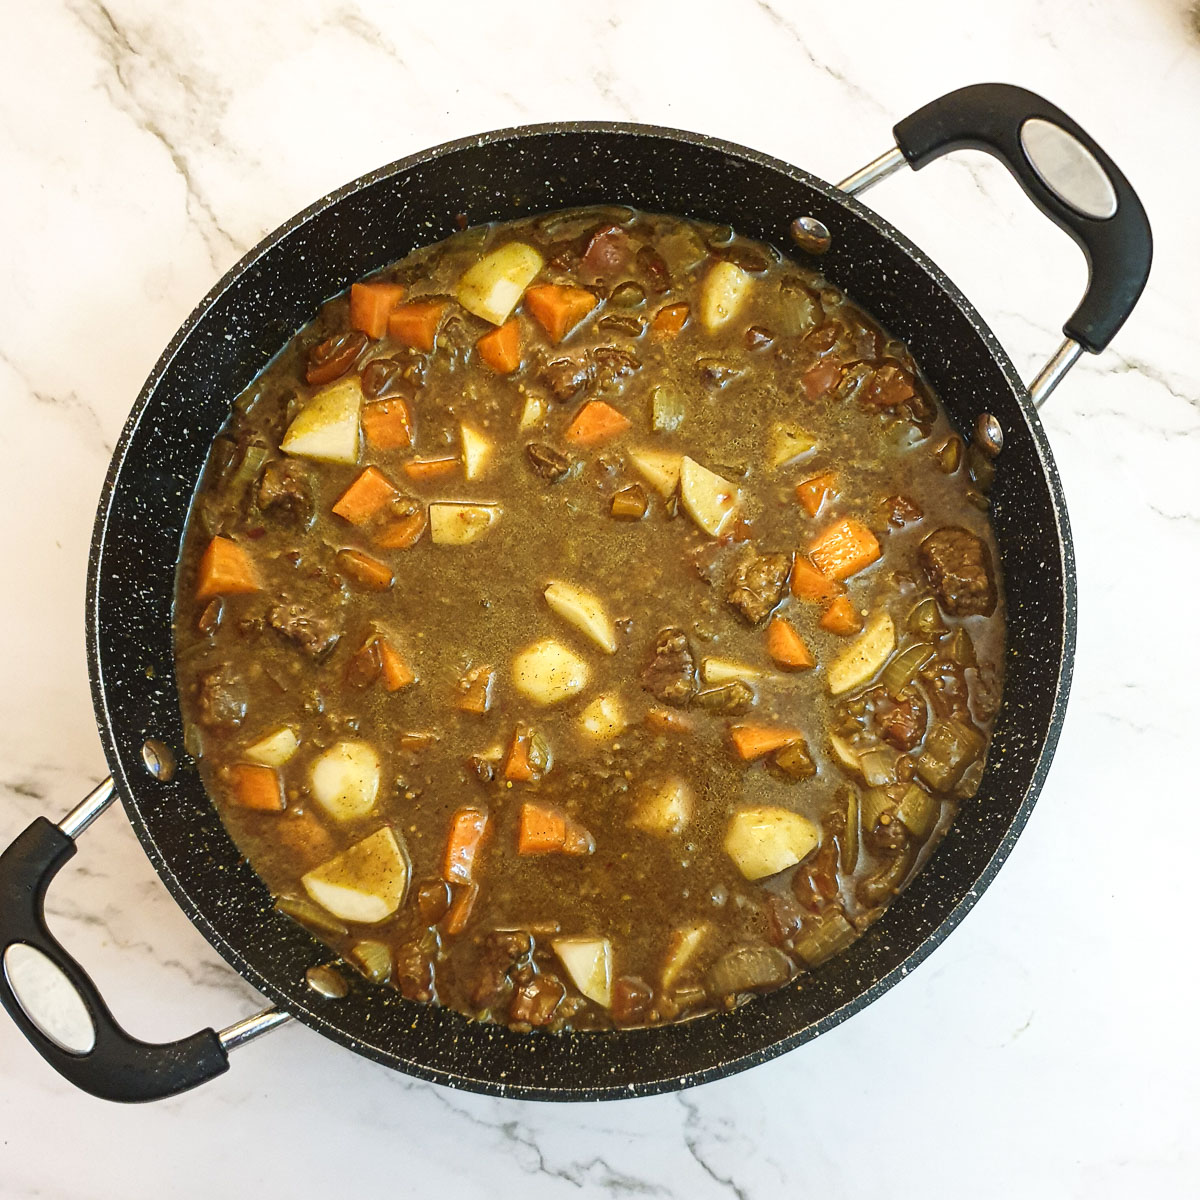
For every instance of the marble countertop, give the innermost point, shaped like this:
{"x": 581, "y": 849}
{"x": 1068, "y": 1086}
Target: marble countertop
{"x": 1049, "y": 1048}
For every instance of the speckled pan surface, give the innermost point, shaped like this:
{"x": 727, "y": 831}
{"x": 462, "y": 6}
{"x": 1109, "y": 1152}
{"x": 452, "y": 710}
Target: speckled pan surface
{"x": 252, "y": 312}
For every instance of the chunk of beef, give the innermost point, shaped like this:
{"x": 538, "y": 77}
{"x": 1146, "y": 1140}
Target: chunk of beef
{"x": 221, "y": 699}
{"x": 284, "y": 489}
{"x": 536, "y": 1000}
{"x": 757, "y": 584}
{"x": 608, "y": 250}
{"x": 671, "y": 675}
{"x": 899, "y": 511}
{"x": 611, "y": 364}
{"x": 815, "y": 883}
{"x": 960, "y": 567}
{"x": 890, "y": 386}
{"x": 414, "y": 972}
{"x": 383, "y": 378}
{"x": 502, "y": 950}
{"x": 730, "y": 699}
{"x": 315, "y": 635}
{"x": 632, "y": 1000}
{"x": 547, "y": 462}
{"x": 565, "y": 377}
{"x": 902, "y": 723}
{"x": 332, "y": 358}
{"x": 654, "y": 269}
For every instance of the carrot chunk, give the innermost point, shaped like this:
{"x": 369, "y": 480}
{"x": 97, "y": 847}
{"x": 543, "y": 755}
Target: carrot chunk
{"x": 595, "y": 422}
{"x": 430, "y": 468}
{"x": 501, "y": 349}
{"x": 416, "y": 324}
{"x": 558, "y": 309}
{"x": 753, "y": 741}
{"x": 387, "y": 424}
{"x": 365, "y": 497}
{"x": 844, "y": 549}
{"x": 225, "y": 570}
{"x": 546, "y": 830}
{"x": 403, "y": 532}
{"x": 541, "y": 829}
{"x": 365, "y": 570}
{"x": 820, "y": 379}
{"x": 371, "y": 304}
{"x": 467, "y": 829}
{"x": 812, "y": 493}
{"x": 786, "y": 647}
{"x": 475, "y": 690}
{"x": 257, "y": 787}
{"x": 841, "y": 617}
{"x": 528, "y": 756}
{"x": 670, "y": 319}
{"x": 459, "y": 912}
{"x": 810, "y": 584}
{"x": 393, "y": 667}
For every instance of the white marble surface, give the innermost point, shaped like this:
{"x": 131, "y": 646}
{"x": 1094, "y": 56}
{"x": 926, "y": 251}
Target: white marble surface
{"x": 1050, "y": 1048}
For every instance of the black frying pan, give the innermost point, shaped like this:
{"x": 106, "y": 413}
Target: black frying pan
{"x": 278, "y": 287}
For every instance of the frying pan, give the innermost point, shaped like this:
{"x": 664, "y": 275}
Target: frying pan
{"x": 278, "y": 287}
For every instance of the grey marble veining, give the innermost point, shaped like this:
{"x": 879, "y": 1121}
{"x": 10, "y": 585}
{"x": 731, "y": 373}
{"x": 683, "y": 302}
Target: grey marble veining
{"x": 1049, "y": 1048}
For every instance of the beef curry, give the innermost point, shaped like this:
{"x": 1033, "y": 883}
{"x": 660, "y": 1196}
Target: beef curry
{"x": 589, "y": 620}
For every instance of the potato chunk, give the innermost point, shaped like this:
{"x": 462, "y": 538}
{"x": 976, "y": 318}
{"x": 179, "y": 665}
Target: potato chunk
{"x": 364, "y": 884}
{"x": 860, "y": 661}
{"x": 588, "y": 961}
{"x": 681, "y": 949}
{"x": 533, "y": 415}
{"x": 603, "y": 718}
{"x": 273, "y": 750}
{"x": 665, "y": 809}
{"x": 345, "y": 780}
{"x": 725, "y": 670}
{"x": 476, "y": 450}
{"x": 584, "y": 611}
{"x": 460, "y": 524}
{"x": 659, "y": 468}
{"x": 707, "y": 498}
{"x": 493, "y": 287}
{"x": 722, "y": 294}
{"x": 763, "y": 841}
{"x": 786, "y": 443}
{"x": 548, "y": 672}
{"x": 326, "y": 428}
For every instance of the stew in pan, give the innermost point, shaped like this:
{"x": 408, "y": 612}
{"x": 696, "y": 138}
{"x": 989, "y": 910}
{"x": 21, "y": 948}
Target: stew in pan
{"x": 591, "y": 620}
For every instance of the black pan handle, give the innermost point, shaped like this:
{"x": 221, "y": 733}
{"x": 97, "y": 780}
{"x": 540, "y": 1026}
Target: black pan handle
{"x": 1065, "y": 173}
{"x": 118, "y": 1066}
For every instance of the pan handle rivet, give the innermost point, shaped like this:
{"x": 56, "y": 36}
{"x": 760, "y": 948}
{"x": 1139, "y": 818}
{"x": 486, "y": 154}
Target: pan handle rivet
{"x": 988, "y": 434}
{"x": 159, "y": 759}
{"x": 810, "y": 235}
{"x": 326, "y": 981}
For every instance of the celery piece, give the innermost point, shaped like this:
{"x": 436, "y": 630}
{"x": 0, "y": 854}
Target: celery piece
{"x": 903, "y": 668}
{"x": 666, "y": 410}
{"x": 925, "y": 618}
{"x": 950, "y": 748}
{"x": 878, "y": 767}
{"x": 373, "y": 959}
{"x": 918, "y": 810}
{"x": 312, "y": 916}
{"x": 874, "y": 803}
{"x": 849, "y": 846}
{"x": 822, "y": 939}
